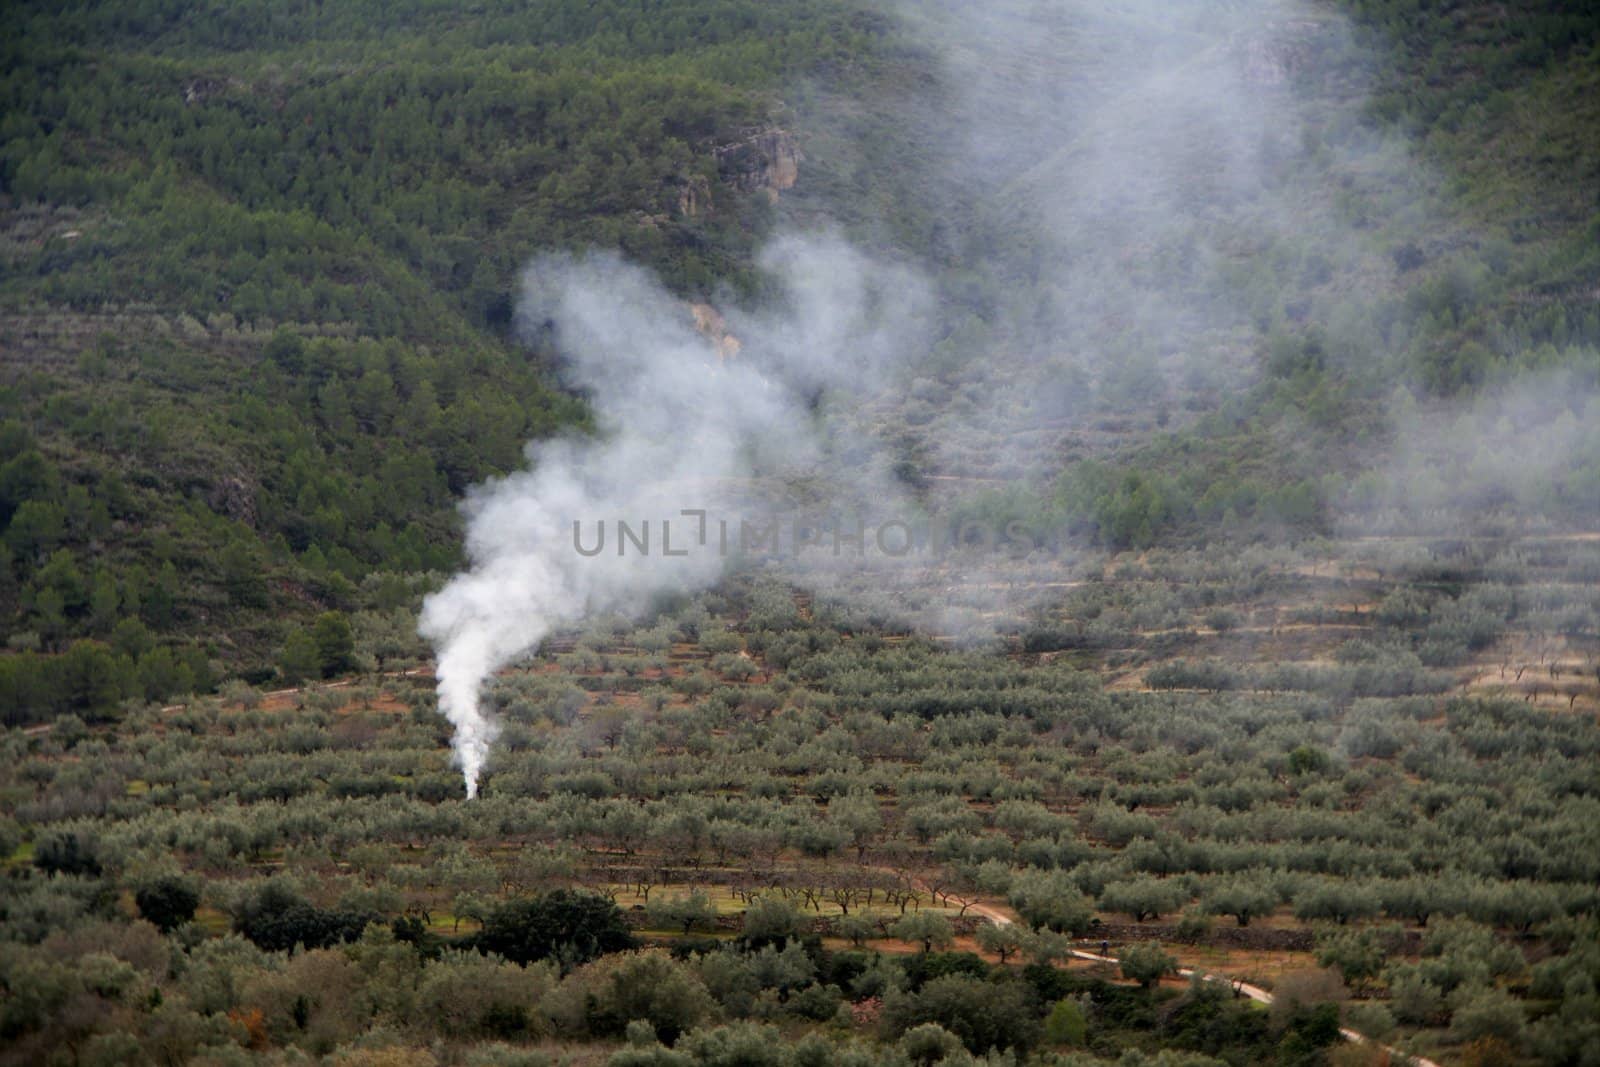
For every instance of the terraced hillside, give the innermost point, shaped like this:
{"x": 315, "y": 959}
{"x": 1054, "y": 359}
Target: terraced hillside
{"x": 1358, "y": 774}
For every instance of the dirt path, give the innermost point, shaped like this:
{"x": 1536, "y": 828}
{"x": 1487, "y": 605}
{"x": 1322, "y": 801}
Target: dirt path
{"x": 1261, "y": 996}
{"x": 1255, "y": 993}
{"x": 992, "y": 914}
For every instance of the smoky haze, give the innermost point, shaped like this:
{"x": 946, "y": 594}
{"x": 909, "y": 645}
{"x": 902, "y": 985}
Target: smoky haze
{"x": 678, "y": 426}
{"x": 1138, "y": 197}
{"x": 1128, "y": 207}
{"x": 1513, "y": 459}
{"x": 1084, "y": 128}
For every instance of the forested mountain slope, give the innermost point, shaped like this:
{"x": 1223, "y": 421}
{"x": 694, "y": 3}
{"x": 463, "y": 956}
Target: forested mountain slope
{"x": 259, "y": 264}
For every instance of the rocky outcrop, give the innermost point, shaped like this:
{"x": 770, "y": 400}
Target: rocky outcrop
{"x": 199, "y": 90}
{"x": 766, "y": 159}
{"x": 694, "y": 197}
{"x": 232, "y": 496}
{"x": 711, "y": 325}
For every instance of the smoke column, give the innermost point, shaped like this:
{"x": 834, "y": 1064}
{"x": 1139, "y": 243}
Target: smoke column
{"x": 1118, "y": 187}
{"x": 677, "y": 427}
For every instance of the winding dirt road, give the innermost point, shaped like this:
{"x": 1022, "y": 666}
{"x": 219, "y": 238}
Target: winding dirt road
{"x": 1255, "y": 993}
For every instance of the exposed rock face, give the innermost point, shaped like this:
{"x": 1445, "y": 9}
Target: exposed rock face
{"x": 199, "y": 90}
{"x": 767, "y": 158}
{"x": 694, "y": 197}
{"x": 233, "y": 496}
{"x": 709, "y": 322}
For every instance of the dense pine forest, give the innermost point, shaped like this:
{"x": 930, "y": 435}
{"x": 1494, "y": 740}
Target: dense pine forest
{"x": 1298, "y": 686}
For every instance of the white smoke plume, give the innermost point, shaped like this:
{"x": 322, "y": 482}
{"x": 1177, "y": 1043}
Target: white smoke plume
{"x": 1136, "y": 180}
{"x": 679, "y": 426}
{"x": 1129, "y": 197}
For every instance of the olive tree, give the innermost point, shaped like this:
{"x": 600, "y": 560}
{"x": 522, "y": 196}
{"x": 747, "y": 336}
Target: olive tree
{"x": 1358, "y": 956}
{"x": 1339, "y": 901}
{"x": 1004, "y": 940}
{"x": 683, "y": 913}
{"x": 1143, "y": 898}
{"x": 929, "y": 928}
{"x": 1050, "y": 900}
{"x": 1147, "y": 963}
{"x": 1244, "y": 898}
